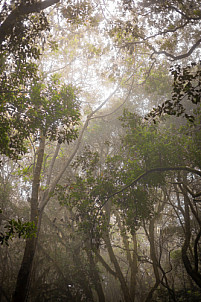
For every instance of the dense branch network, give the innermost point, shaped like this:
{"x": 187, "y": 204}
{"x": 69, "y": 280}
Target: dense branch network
{"x": 19, "y": 13}
{"x": 173, "y": 57}
{"x": 157, "y": 169}
{"x": 162, "y": 20}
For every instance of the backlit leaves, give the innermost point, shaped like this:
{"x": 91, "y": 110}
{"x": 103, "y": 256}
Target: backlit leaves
{"x": 186, "y": 93}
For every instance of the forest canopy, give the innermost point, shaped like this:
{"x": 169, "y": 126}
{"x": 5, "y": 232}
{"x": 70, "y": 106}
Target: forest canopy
{"x": 100, "y": 150}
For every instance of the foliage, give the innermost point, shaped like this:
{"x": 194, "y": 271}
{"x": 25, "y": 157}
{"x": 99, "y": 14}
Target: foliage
{"x": 20, "y": 37}
{"x": 52, "y": 110}
{"x": 159, "y": 27}
{"x": 19, "y": 228}
{"x": 123, "y": 217}
{"x": 186, "y": 93}
{"x": 85, "y": 194}
{"x": 78, "y": 13}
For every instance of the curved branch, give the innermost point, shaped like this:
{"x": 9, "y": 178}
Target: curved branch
{"x": 19, "y": 13}
{"x": 121, "y": 105}
{"x": 50, "y": 190}
{"x": 183, "y": 14}
{"x": 159, "y": 33}
{"x": 104, "y": 263}
{"x": 175, "y": 58}
{"x": 157, "y": 169}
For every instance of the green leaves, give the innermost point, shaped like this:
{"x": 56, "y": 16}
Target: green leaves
{"x": 56, "y": 110}
{"x": 186, "y": 92}
{"x": 51, "y": 109}
{"x": 24, "y": 101}
{"x": 17, "y": 228}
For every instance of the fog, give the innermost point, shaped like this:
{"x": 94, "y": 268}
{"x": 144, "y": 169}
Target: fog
{"x": 100, "y": 151}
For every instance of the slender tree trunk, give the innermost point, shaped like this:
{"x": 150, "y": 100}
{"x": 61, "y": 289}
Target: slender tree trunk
{"x": 153, "y": 257}
{"x": 193, "y": 272}
{"x": 95, "y": 275}
{"x": 113, "y": 259}
{"x": 132, "y": 258}
{"x": 24, "y": 275}
{"x": 83, "y": 280}
{"x": 134, "y": 269}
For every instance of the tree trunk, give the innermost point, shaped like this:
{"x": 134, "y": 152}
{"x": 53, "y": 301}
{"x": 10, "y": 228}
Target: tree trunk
{"x": 24, "y": 275}
{"x": 19, "y": 14}
{"x": 113, "y": 259}
{"x": 95, "y": 275}
{"x": 153, "y": 256}
{"x": 195, "y": 275}
{"x": 134, "y": 269}
{"x": 132, "y": 258}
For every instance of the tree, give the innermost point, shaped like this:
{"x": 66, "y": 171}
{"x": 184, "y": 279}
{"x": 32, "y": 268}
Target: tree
{"x": 60, "y": 115}
{"x": 158, "y": 154}
{"x": 120, "y": 220}
{"x": 20, "y": 32}
{"x": 14, "y": 13}
{"x": 185, "y": 95}
{"x": 173, "y": 23}
{"x": 152, "y": 36}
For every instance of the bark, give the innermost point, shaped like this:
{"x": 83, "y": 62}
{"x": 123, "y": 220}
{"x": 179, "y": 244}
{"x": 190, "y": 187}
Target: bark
{"x": 193, "y": 273}
{"x": 24, "y": 275}
{"x": 134, "y": 269}
{"x": 157, "y": 169}
{"x": 3, "y": 294}
{"x": 188, "y": 204}
{"x": 153, "y": 256}
{"x": 4, "y": 261}
{"x": 95, "y": 275}
{"x": 153, "y": 253}
{"x": 132, "y": 259}
{"x": 19, "y": 13}
{"x": 196, "y": 250}
{"x": 104, "y": 263}
{"x": 113, "y": 259}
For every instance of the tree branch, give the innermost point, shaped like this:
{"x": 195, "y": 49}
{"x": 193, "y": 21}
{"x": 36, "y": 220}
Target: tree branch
{"x": 158, "y": 169}
{"x": 52, "y": 164}
{"x": 194, "y": 195}
{"x": 175, "y": 58}
{"x": 159, "y": 33}
{"x": 104, "y": 263}
{"x": 50, "y": 190}
{"x": 19, "y": 13}
{"x": 184, "y": 15}
{"x": 121, "y": 105}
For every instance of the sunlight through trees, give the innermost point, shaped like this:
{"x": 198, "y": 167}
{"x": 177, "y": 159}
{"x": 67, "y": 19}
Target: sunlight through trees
{"x": 100, "y": 151}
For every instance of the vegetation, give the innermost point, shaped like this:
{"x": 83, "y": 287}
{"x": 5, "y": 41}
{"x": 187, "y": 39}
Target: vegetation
{"x": 100, "y": 151}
